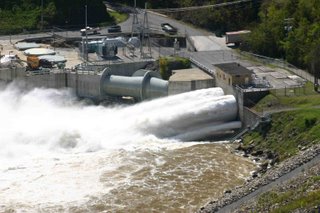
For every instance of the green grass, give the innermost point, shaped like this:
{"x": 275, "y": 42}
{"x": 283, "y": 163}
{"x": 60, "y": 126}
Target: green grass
{"x": 287, "y": 201}
{"x": 118, "y": 17}
{"x": 304, "y": 97}
{"x": 286, "y": 132}
{"x": 309, "y": 200}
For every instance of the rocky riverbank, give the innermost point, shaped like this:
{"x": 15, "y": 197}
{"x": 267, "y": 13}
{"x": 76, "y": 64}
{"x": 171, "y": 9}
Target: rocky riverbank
{"x": 271, "y": 172}
{"x": 300, "y": 194}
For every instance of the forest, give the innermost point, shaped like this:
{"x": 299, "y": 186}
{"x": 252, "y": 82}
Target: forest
{"x": 286, "y": 29}
{"x": 25, "y": 15}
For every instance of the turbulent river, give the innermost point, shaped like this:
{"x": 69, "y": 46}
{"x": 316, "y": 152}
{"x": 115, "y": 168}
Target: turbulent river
{"x": 59, "y": 154}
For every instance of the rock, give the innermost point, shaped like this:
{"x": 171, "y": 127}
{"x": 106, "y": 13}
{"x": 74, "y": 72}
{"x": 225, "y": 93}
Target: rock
{"x": 270, "y": 155}
{"x": 228, "y": 191}
{"x": 257, "y": 153}
{"x": 254, "y": 174}
{"x": 256, "y": 159}
{"x": 274, "y": 160}
{"x": 239, "y": 147}
{"x": 248, "y": 149}
{"x": 264, "y": 165}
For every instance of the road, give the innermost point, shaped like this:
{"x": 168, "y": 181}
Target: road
{"x": 216, "y": 51}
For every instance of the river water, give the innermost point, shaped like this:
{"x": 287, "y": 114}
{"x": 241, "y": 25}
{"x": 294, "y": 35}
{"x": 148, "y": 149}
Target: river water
{"x": 62, "y": 155}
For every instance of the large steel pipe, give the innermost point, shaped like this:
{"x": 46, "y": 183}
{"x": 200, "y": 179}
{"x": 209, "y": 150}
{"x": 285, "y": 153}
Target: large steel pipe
{"x": 141, "y": 87}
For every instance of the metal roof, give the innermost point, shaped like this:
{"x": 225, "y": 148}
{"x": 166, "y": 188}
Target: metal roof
{"x": 234, "y": 69}
{"x": 54, "y": 58}
{"x": 189, "y": 75}
{"x": 26, "y": 45}
{"x": 39, "y": 51}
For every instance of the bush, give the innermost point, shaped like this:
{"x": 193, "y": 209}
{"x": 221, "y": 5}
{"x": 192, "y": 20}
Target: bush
{"x": 167, "y": 64}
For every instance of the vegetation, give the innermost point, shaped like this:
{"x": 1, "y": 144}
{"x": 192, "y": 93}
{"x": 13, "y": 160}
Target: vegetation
{"x": 219, "y": 20}
{"x": 288, "y": 29}
{"x": 299, "y": 197}
{"x": 167, "y": 64}
{"x": 304, "y": 97}
{"x": 288, "y": 130}
{"x": 19, "y": 15}
{"x": 118, "y": 17}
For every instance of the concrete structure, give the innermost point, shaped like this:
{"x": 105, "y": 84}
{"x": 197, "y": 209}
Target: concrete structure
{"x": 96, "y": 85}
{"x": 189, "y": 79}
{"x": 232, "y": 74}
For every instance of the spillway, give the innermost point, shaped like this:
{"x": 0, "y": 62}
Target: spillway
{"x": 59, "y": 154}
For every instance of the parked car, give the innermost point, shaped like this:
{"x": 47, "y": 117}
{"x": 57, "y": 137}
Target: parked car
{"x": 90, "y": 30}
{"x": 114, "y": 29}
{"x": 168, "y": 28}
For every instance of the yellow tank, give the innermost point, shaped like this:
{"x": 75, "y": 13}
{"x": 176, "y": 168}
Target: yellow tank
{"x": 33, "y": 62}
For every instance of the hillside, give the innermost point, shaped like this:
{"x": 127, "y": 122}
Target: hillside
{"x": 288, "y": 29}
{"x": 294, "y": 124}
{"x": 17, "y": 16}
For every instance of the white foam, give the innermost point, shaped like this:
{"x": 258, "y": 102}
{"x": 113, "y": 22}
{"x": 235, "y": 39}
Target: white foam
{"x": 54, "y": 148}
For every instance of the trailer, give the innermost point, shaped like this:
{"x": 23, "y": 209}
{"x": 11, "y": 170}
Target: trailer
{"x": 236, "y": 37}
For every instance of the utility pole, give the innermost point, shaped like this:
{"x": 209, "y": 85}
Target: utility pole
{"x": 41, "y": 15}
{"x": 86, "y": 42}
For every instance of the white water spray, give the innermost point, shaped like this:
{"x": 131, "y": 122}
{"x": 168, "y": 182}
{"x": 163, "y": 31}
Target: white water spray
{"x": 42, "y": 121}
{"x": 55, "y": 149}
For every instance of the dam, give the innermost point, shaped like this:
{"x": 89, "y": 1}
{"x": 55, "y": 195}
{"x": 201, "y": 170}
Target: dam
{"x": 59, "y": 154}
{"x": 219, "y": 112}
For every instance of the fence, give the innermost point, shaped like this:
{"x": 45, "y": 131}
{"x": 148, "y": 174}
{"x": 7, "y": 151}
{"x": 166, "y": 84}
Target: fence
{"x": 278, "y": 63}
{"x": 294, "y": 91}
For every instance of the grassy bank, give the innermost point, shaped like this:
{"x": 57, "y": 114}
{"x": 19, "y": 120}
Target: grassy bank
{"x": 301, "y": 194}
{"x": 289, "y": 130}
{"x": 302, "y": 98}
{"x": 295, "y": 125}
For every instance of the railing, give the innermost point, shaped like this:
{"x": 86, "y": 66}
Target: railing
{"x": 281, "y": 64}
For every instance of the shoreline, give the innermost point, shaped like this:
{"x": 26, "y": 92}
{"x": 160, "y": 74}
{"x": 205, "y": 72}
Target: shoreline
{"x": 233, "y": 198}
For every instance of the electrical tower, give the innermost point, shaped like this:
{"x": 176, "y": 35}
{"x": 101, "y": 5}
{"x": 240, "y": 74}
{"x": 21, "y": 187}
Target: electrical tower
{"x": 135, "y": 21}
{"x": 145, "y": 36}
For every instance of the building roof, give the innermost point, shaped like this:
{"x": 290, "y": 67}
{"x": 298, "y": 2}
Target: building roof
{"x": 234, "y": 69}
{"x": 26, "y": 45}
{"x": 189, "y": 75}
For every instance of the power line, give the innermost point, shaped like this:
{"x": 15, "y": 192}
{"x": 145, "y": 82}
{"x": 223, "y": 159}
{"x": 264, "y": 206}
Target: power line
{"x": 182, "y": 9}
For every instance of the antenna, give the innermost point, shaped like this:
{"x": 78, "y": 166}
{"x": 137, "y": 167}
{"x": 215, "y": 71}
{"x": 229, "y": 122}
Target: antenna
{"x": 145, "y": 35}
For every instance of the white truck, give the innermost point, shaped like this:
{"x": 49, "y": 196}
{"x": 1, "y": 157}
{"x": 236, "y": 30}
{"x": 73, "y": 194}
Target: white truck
{"x": 90, "y": 30}
{"x": 236, "y": 37}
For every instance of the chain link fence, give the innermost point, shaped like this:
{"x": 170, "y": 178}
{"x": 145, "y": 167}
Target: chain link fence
{"x": 278, "y": 63}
